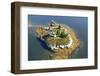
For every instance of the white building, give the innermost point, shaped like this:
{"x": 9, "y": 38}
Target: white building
{"x": 62, "y": 46}
{"x": 53, "y": 47}
{"x": 70, "y": 42}
{"x": 46, "y": 28}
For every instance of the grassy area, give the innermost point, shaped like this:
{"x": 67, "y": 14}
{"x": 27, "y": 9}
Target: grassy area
{"x": 57, "y": 40}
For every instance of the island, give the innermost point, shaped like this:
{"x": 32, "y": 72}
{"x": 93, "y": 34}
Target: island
{"x": 60, "y": 38}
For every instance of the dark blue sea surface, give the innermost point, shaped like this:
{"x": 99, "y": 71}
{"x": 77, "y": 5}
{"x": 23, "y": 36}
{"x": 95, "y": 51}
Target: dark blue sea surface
{"x": 38, "y": 50}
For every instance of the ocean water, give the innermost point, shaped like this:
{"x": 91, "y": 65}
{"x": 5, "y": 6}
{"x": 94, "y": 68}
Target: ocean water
{"x": 38, "y": 50}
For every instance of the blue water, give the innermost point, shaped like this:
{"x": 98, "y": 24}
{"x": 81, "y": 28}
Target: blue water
{"x": 37, "y": 50}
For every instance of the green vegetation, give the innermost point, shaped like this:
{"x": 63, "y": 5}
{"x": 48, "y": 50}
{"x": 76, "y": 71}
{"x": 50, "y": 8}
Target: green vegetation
{"x": 63, "y": 34}
{"x": 57, "y": 40}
